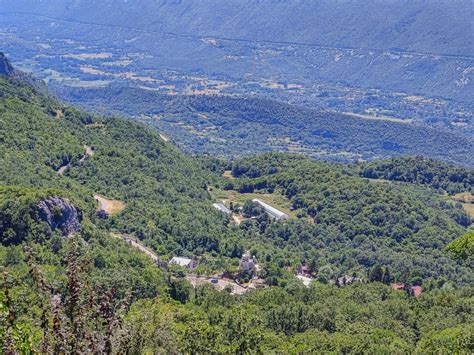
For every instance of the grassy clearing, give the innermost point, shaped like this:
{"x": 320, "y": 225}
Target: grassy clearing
{"x": 467, "y": 201}
{"x": 379, "y": 181}
{"x": 469, "y": 208}
{"x": 465, "y": 197}
{"x": 110, "y": 206}
{"x": 228, "y": 174}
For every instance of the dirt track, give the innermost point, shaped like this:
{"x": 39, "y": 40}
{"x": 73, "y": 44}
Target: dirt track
{"x": 136, "y": 244}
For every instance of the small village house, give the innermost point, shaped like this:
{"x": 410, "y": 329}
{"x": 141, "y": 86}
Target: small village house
{"x": 248, "y": 264}
{"x": 415, "y": 291}
{"x": 183, "y": 262}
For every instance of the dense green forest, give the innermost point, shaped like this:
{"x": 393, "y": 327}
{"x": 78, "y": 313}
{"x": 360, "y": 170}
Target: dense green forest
{"x": 67, "y": 292}
{"x": 164, "y": 190}
{"x": 356, "y": 223}
{"x": 236, "y": 126}
{"x": 419, "y": 170}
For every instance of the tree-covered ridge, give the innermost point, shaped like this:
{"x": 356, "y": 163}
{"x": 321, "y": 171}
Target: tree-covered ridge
{"x": 419, "y": 170}
{"x": 229, "y": 126}
{"x": 355, "y": 223}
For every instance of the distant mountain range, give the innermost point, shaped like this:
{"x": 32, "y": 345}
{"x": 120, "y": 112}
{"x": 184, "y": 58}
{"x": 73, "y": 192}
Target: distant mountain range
{"x": 420, "y": 47}
{"x": 379, "y": 25}
{"x": 347, "y": 80}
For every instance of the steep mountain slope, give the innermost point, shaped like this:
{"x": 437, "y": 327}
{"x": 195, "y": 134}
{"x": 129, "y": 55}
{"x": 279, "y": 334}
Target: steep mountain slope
{"x": 407, "y": 24}
{"x": 416, "y": 47}
{"x": 163, "y": 189}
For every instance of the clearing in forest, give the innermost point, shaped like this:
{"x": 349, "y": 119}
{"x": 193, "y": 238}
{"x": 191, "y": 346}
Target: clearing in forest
{"x": 228, "y": 174}
{"x": 467, "y": 201}
{"x": 88, "y": 152}
{"x": 109, "y": 206}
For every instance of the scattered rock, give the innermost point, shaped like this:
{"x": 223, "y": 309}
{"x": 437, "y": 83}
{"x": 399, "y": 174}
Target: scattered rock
{"x": 59, "y": 213}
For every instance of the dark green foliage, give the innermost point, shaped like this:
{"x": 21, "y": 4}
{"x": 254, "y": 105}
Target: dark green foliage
{"x": 165, "y": 191}
{"x": 238, "y": 126}
{"x": 419, "y": 170}
{"x": 359, "y": 318}
{"x": 252, "y": 209}
{"x": 357, "y": 223}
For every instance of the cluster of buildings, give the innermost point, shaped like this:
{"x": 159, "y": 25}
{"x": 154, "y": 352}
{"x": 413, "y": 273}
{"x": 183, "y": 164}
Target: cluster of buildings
{"x": 305, "y": 274}
{"x": 248, "y": 264}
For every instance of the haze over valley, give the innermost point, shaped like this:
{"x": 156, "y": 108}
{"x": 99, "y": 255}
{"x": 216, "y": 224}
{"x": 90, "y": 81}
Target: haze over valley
{"x": 380, "y": 74}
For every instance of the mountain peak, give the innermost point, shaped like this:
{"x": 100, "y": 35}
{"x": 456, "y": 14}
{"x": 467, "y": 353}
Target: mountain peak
{"x": 5, "y": 66}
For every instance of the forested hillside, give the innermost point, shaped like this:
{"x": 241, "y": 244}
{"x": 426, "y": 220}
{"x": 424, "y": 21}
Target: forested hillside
{"x": 355, "y": 223}
{"x": 71, "y": 284}
{"x": 233, "y": 127}
{"x": 419, "y": 170}
{"x": 130, "y": 163}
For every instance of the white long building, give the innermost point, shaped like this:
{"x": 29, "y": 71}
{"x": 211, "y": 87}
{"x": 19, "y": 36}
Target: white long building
{"x": 222, "y": 208}
{"x": 272, "y": 211}
{"x": 184, "y": 262}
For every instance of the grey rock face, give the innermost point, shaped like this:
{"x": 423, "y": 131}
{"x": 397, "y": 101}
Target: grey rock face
{"x": 5, "y": 67}
{"x": 59, "y": 213}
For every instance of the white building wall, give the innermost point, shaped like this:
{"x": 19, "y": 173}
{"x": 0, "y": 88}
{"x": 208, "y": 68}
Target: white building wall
{"x": 271, "y": 210}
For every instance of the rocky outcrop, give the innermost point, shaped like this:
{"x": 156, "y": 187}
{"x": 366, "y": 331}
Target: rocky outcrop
{"x": 61, "y": 214}
{"x": 7, "y": 69}
{"x": 5, "y": 66}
